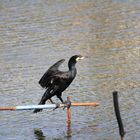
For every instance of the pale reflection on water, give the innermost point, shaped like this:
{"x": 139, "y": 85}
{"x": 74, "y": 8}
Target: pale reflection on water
{"x": 35, "y": 34}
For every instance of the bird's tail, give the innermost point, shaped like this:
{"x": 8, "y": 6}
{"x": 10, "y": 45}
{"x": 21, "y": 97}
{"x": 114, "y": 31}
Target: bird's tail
{"x": 44, "y": 98}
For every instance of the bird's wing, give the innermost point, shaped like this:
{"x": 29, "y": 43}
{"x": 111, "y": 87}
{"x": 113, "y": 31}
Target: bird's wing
{"x": 56, "y": 65}
{"x": 45, "y": 79}
{"x": 60, "y": 78}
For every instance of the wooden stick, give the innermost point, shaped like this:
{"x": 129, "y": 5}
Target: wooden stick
{"x": 69, "y": 110}
{"x": 46, "y": 106}
{"x": 31, "y": 107}
{"x": 85, "y": 104}
{"x": 69, "y": 115}
{"x": 118, "y": 116}
{"x": 69, "y": 131}
{"x": 7, "y": 108}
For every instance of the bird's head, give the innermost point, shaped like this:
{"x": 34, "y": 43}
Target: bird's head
{"x": 76, "y": 58}
{"x": 73, "y": 60}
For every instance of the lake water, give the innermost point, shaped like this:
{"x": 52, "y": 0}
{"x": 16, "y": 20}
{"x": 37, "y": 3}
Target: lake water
{"x": 35, "y": 34}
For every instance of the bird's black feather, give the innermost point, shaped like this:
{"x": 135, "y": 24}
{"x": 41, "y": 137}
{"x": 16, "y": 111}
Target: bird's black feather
{"x": 45, "y": 79}
{"x": 56, "y": 81}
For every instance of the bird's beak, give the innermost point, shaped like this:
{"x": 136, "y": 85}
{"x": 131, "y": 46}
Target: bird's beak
{"x": 79, "y": 58}
{"x": 82, "y": 57}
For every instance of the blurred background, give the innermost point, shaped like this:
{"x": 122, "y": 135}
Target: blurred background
{"x": 35, "y": 34}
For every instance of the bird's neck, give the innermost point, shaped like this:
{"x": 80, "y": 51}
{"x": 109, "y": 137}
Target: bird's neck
{"x": 71, "y": 66}
{"x": 72, "y": 69}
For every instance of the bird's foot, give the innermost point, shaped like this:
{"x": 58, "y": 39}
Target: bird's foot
{"x": 67, "y": 104}
{"x": 57, "y": 106}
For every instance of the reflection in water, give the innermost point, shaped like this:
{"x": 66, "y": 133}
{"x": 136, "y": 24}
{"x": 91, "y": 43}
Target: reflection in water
{"x": 39, "y": 134}
{"x": 69, "y": 131}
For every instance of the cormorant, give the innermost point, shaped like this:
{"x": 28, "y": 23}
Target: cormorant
{"x": 56, "y": 81}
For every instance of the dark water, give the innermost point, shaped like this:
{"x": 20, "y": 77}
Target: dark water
{"x": 35, "y": 34}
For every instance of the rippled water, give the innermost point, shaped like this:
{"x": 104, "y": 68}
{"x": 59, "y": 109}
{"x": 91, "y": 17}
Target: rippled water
{"x": 35, "y": 34}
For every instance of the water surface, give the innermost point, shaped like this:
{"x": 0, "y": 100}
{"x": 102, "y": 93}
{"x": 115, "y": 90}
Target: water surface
{"x": 35, "y": 34}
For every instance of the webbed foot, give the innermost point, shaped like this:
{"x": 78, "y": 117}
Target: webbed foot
{"x": 57, "y": 106}
{"x": 67, "y": 104}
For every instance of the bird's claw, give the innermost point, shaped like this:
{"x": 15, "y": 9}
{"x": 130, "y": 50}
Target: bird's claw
{"x": 57, "y": 106}
{"x": 67, "y": 104}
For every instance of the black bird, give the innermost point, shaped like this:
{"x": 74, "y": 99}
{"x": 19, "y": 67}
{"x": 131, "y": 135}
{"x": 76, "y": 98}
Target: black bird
{"x": 56, "y": 81}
